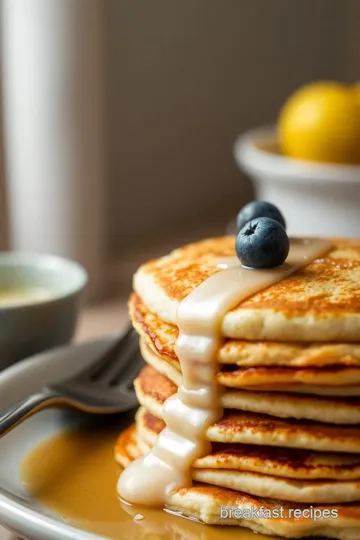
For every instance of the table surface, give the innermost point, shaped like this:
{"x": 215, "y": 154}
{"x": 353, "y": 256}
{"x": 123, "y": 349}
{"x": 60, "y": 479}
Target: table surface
{"x": 96, "y": 322}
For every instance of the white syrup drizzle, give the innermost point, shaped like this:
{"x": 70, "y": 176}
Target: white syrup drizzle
{"x": 151, "y": 479}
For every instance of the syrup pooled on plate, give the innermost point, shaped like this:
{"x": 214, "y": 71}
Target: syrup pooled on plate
{"x": 151, "y": 479}
{"x": 74, "y": 474}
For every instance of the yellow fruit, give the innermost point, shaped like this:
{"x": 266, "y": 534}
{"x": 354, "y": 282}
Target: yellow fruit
{"x": 356, "y": 88}
{"x": 321, "y": 122}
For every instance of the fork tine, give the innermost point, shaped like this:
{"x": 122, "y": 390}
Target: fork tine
{"x": 99, "y": 367}
{"x": 120, "y": 363}
{"x": 124, "y": 377}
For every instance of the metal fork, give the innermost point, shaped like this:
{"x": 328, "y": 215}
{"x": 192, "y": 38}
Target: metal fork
{"x": 105, "y": 387}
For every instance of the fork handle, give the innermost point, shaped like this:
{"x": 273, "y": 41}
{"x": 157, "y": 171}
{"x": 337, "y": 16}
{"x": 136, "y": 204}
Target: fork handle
{"x": 14, "y": 415}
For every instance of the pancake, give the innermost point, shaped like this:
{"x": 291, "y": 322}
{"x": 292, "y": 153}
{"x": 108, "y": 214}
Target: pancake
{"x": 266, "y": 460}
{"x": 159, "y": 364}
{"x": 212, "y": 505}
{"x": 148, "y": 426}
{"x": 151, "y": 386}
{"x": 252, "y": 428}
{"x": 161, "y": 337}
{"x": 276, "y": 461}
{"x": 270, "y": 378}
{"x": 127, "y": 447}
{"x": 265, "y": 485}
{"x": 283, "y": 462}
{"x": 335, "y": 391}
{"x": 153, "y": 389}
{"x": 262, "y": 429}
{"x": 321, "y": 302}
{"x": 245, "y": 377}
{"x": 330, "y": 410}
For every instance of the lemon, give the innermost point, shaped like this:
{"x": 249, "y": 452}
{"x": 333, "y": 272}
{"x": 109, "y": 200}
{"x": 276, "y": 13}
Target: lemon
{"x": 356, "y": 89}
{"x": 321, "y": 122}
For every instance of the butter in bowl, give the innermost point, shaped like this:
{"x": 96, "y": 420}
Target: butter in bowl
{"x": 39, "y": 303}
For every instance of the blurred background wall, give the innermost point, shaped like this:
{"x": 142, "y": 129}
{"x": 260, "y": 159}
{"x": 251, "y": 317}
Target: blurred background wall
{"x": 4, "y": 236}
{"x": 182, "y": 79}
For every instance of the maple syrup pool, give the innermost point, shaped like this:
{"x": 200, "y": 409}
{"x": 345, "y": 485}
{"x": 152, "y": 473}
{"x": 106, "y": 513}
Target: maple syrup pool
{"x": 74, "y": 474}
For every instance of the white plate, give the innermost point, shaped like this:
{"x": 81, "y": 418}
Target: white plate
{"x": 18, "y": 512}
{"x": 24, "y": 515}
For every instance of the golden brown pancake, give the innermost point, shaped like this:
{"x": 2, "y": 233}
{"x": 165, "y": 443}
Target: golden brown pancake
{"x": 127, "y": 447}
{"x": 205, "y": 503}
{"x": 244, "y": 377}
{"x": 270, "y": 379}
{"x": 326, "y": 391}
{"x": 284, "y": 462}
{"x": 268, "y": 460}
{"x": 148, "y": 426}
{"x": 253, "y": 428}
{"x": 262, "y": 429}
{"x": 321, "y": 302}
{"x": 212, "y": 505}
{"x": 153, "y": 387}
{"x": 331, "y": 410}
{"x": 264, "y": 485}
{"x": 161, "y": 337}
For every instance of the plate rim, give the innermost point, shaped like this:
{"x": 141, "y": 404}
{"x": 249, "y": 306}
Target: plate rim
{"x": 16, "y": 516}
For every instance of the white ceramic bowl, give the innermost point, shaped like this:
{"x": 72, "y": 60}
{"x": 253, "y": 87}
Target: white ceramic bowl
{"x": 316, "y": 199}
{"x": 33, "y": 325}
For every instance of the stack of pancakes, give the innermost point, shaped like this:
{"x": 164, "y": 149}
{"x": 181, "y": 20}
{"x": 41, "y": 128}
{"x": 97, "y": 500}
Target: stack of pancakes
{"x": 289, "y": 370}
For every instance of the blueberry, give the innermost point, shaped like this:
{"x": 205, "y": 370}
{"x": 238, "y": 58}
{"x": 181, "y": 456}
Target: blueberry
{"x": 256, "y": 209}
{"x": 262, "y": 243}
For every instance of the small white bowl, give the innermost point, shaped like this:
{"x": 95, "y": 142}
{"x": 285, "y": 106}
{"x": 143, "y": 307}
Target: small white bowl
{"x": 36, "y": 323}
{"x": 316, "y": 199}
